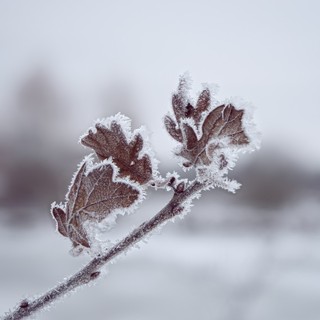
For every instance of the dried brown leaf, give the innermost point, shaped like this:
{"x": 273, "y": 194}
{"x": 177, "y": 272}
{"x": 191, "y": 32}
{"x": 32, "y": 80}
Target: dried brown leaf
{"x": 178, "y": 106}
{"x": 112, "y": 142}
{"x": 172, "y": 129}
{"x": 76, "y": 194}
{"x": 224, "y": 122}
{"x": 103, "y": 194}
{"x": 189, "y": 136}
{"x": 201, "y": 131}
{"x": 92, "y": 196}
{"x": 60, "y": 217}
{"x": 202, "y": 106}
{"x": 179, "y": 100}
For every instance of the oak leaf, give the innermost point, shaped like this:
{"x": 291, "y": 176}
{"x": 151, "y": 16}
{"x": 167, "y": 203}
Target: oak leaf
{"x": 111, "y": 142}
{"x": 94, "y": 194}
{"x": 202, "y": 130}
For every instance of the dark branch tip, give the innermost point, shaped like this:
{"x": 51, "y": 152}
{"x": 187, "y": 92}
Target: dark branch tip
{"x": 24, "y": 304}
{"x": 187, "y": 164}
{"x": 94, "y": 275}
{"x": 171, "y": 181}
{"x": 180, "y": 187}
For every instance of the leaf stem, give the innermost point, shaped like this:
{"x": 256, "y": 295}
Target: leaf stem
{"x": 91, "y": 272}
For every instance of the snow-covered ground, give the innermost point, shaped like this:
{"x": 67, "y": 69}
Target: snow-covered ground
{"x": 223, "y": 273}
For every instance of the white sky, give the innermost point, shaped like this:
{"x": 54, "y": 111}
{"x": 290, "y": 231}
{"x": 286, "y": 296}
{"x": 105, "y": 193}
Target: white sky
{"x": 267, "y": 52}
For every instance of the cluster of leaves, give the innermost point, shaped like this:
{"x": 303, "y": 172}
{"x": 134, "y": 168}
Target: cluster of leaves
{"x": 116, "y": 181}
{"x": 209, "y": 137}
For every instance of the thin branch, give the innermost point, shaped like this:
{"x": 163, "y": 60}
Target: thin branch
{"x": 91, "y": 271}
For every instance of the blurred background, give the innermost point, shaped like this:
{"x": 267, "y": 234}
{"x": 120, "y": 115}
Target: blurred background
{"x": 63, "y": 64}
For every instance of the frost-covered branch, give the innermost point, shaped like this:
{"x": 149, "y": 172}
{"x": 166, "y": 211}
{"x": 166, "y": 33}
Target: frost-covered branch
{"x": 91, "y": 271}
{"x": 114, "y": 180}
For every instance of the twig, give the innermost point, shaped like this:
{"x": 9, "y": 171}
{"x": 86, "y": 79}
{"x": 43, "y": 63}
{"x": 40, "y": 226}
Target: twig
{"x": 91, "y": 271}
